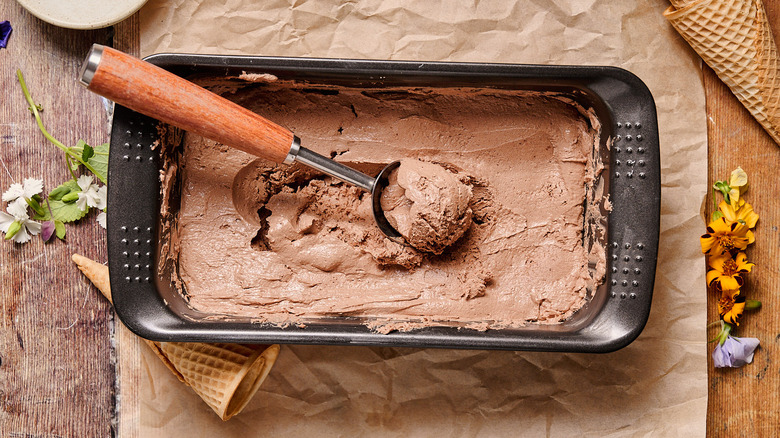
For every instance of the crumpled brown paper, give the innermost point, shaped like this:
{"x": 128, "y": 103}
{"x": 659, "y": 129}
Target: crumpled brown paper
{"x": 657, "y": 386}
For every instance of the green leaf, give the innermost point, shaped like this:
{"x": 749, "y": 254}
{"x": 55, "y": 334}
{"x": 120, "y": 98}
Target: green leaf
{"x": 79, "y": 148}
{"x": 66, "y": 212}
{"x": 99, "y": 162}
{"x": 87, "y": 153}
{"x": 59, "y": 228}
{"x": 63, "y": 211}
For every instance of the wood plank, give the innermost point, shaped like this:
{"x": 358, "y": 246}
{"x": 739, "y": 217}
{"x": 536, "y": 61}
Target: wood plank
{"x": 56, "y": 374}
{"x": 745, "y": 401}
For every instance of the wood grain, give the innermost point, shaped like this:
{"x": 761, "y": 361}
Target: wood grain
{"x": 746, "y": 401}
{"x": 56, "y": 372}
{"x": 164, "y": 96}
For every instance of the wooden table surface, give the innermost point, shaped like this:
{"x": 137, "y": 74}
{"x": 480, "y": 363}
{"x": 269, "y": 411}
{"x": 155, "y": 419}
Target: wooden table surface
{"x": 57, "y": 368}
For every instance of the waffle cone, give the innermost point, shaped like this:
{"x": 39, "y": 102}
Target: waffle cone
{"x": 733, "y": 37}
{"x": 225, "y": 376}
{"x": 679, "y": 4}
{"x": 95, "y": 272}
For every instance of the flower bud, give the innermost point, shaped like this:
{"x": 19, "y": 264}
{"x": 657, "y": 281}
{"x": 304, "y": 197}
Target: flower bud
{"x": 70, "y": 197}
{"x": 58, "y": 193}
{"x": 35, "y": 206}
{"x": 13, "y": 229}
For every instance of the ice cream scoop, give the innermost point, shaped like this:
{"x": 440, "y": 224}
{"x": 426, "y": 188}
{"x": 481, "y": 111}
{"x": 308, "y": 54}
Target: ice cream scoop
{"x": 427, "y": 204}
{"x": 160, "y": 94}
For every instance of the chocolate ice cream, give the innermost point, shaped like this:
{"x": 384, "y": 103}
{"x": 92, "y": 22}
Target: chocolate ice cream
{"x": 285, "y": 245}
{"x": 427, "y": 204}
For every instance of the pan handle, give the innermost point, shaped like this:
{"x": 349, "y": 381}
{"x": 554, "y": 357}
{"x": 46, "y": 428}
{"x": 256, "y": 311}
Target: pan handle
{"x": 162, "y": 95}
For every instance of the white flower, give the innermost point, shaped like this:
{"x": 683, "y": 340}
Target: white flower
{"x": 19, "y": 205}
{"x": 18, "y": 213}
{"x": 101, "y": 219}
{"x": 102, "y": 198}
{"x": 91, "y": 195}
{"x": 85, "y": 181}
{"x": 29, "y": 188}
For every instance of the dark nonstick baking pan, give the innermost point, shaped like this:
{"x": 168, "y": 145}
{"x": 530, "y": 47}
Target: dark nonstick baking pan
{"x": 615, "y": 314}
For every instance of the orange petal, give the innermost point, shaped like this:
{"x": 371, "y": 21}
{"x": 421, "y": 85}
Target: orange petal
{"x": 719, "y": 226}
{"x": 716, "y": 262}
{"x": 750, "y": 238}
{"x": 712, "y": 275}
{"x": 707, "y": 243}
{"x": 747, "y": 214}
{"x": 728, "y": 211}
{"x": 742, "y": 263}
{"x": 728, "y": 283}
{"x": 736, "y": 311}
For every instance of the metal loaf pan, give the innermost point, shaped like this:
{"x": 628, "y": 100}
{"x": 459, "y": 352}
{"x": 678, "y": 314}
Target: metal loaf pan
{"x": 615, "y": 314}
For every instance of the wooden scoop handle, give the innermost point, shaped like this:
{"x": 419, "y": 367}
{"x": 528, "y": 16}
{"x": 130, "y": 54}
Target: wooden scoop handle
{"x": 160, "y": 94}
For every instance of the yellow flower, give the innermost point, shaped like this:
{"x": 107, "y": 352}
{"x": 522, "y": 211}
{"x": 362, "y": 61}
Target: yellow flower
{"x": 739, "y": 211}
{"x": 724, "y": 235}
{"x": 727, "y": 271}
{"x": 730, "y": 306}
{"x": 738, "y": 183}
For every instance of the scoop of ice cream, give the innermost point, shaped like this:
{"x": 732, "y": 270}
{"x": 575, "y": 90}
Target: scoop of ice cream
{"x": 427, "y": 204}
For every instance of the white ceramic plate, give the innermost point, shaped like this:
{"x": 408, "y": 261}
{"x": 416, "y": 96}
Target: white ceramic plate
{"x": 82, "y": 14}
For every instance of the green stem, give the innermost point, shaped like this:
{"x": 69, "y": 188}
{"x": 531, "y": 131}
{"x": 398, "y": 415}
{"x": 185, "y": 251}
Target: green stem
{"x": 90, "y": 168}
{"x": 37, "y": 115}
{"x": 714, "y": 199}
{"x": 70, "y": 168}
{"x": 48, "y": 207}
{"x": 46, "y": 134}
{"x": 724, "y": 333}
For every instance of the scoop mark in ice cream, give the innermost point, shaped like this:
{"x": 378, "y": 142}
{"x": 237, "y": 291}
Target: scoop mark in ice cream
{"x": 427, "y": 204}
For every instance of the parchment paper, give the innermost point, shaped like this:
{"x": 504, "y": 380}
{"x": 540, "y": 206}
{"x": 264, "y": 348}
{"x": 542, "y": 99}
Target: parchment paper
{"x": 657, "y": 386}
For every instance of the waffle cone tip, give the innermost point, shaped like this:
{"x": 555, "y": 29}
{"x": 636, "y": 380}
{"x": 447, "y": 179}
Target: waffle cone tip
{"x": 96, "y": 272}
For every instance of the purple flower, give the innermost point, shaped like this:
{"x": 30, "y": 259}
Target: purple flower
{"x": 5, "y": 33}
{"x": 734, "y": 352}
{"x": 47, "y": 230}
